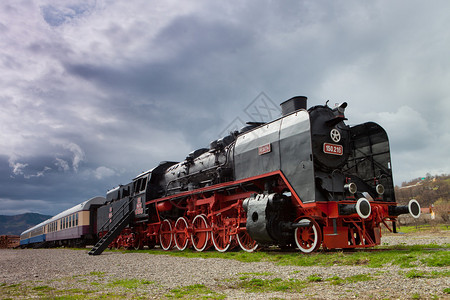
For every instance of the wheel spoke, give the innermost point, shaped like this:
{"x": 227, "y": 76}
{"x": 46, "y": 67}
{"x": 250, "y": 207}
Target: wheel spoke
{"x": 200, "y": 233}
{"x": 165, "y": 235}
{"x": 221, "y": 237}
{"x": 308, "y": 239}
{"x": 246, "y": 242}
{"x": 181, "y": 234}
{"x": 137, "y": 242}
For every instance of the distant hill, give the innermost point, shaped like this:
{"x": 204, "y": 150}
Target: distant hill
{"x": 17, "y": 224}
{"x": 427, "y": 190}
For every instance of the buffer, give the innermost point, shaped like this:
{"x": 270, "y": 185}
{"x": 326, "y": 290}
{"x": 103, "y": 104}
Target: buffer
{"x": 120, "y": 221}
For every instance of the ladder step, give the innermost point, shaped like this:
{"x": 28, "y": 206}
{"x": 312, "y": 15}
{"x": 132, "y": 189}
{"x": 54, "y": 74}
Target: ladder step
{"x": 104, "y": 242}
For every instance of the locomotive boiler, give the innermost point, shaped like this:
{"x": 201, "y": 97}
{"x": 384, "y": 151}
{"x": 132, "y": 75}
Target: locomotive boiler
{"x": 304, "y": 180}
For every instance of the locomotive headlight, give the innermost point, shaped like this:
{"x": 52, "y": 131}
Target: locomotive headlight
{"x": 363, "y": 208}
{"x": 351, "y": 187}
{"x": 380, "y": 189}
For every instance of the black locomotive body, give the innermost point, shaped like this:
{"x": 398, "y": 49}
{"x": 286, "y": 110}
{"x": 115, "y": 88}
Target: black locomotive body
{"x": 304, "y": 180}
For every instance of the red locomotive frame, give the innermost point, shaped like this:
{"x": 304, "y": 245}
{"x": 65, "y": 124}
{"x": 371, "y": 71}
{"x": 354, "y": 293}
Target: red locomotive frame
{"x": 215, "y": 219}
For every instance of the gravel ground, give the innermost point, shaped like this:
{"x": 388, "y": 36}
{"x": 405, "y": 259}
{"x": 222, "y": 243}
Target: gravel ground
{"x": 62, "y": 269}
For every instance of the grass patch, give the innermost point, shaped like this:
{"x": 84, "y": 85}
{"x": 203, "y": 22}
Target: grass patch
{"x": 95, "y": 273}
{"x": 314, "y": 278}
{"x": 258, "y": 285}
{"x": 336, "y": 280}
{"x": 91, "y": 289}
{"x": 42, "y": 288}
{"x": 446, "y": 290}
{"x": 424, "y": 274}
{"x": 196, "y": 291}
{"x": 189, "y": 253}
{"x": 129, "y": 283}
{"x": 402, "y": 255}
{"x": 437, "y": 259}
{"x": 415, "y": 274}
{"x": 423, "y": 228}
{"x": 257, "y": 273}
{"x": 45, "y": 292}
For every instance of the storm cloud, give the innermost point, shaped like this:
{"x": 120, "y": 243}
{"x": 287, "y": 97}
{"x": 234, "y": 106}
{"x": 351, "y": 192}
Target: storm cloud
{"x": 94, "y": 92}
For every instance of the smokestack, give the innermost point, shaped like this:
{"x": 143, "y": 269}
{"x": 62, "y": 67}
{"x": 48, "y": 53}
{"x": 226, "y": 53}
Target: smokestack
{"x": 293, "y": 104}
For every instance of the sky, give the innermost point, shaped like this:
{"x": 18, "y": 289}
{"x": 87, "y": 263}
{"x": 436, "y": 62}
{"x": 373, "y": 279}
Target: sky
{"x": 94, "y": 92}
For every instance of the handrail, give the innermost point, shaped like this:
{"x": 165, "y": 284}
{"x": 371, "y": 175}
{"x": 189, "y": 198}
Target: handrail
{"x": 115, "y": 214}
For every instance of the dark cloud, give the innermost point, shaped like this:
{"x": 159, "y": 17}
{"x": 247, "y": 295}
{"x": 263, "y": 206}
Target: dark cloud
{"x": 94, "y": 93}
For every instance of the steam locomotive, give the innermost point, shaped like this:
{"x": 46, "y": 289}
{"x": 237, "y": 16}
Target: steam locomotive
{"x": 304, "y": 180}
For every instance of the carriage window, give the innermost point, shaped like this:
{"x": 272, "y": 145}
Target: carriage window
{"x": 76, "y": 219}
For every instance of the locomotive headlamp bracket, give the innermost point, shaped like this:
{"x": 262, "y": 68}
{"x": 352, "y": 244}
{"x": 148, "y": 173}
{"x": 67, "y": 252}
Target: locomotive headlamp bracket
{"x": 351, "y": 187}
{"x": 380, "y": 189}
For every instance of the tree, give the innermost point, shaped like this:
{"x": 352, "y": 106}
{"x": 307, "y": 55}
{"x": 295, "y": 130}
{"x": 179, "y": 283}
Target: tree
{"x": 442, "y": 208}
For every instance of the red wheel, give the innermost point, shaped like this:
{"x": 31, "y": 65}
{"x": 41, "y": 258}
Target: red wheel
{"x": 165, "y": 235}
{"x": 180, "y": 234}
{"x": 309, "y": 238}
{"x": 246, "y": 242}
{"x": 221, "y": 237}
{"x": 135, "y": 242}
{"x": 200, "y": 233}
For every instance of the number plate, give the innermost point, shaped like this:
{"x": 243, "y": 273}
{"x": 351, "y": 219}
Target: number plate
{"x": 333, "y": 149}
{"x": 264, "y": 149}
